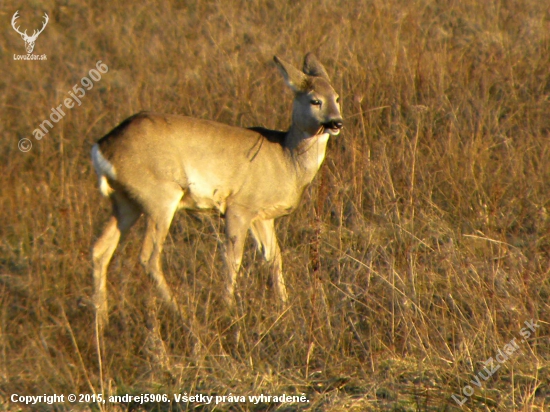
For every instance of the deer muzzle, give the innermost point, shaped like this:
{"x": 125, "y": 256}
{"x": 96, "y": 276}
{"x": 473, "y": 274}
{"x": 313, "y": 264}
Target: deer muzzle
{"x": 333, "y": 126}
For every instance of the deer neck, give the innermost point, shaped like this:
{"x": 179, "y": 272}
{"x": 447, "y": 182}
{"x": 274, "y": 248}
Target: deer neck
{"x": 307, "y": 151}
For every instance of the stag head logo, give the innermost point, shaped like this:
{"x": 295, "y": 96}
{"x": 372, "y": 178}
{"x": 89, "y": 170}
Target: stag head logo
{"x": 29, "y": 40}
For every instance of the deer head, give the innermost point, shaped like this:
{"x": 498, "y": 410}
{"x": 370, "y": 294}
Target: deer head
{"x": 29, "y": 40}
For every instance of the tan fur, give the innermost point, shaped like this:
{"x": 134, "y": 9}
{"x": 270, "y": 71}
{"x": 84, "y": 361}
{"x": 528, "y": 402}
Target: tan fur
{"x": 153, "y": 164}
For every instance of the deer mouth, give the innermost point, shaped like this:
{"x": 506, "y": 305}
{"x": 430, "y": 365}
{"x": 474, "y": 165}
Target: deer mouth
{"x": 333, "y": 127}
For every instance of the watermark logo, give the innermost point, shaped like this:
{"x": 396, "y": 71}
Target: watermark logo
{"x": 29, "y": 40}
{"x": 508, "y": 351}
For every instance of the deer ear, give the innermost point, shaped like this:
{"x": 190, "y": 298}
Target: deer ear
{"x": 313, "y": 67}
{"x": 294, "y": 78}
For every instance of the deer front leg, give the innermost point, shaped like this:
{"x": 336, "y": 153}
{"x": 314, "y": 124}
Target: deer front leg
{"x": 266, "y": 240}
{"x": 237, "y": 223}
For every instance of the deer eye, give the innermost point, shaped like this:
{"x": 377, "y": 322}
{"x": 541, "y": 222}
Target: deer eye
{"x": 315, "y": 102}
{"x": 338, "y": 99}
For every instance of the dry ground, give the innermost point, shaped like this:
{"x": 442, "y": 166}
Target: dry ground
{"x": 429, "y": 216}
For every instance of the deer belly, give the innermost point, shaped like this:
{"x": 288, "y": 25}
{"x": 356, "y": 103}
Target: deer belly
{"x": 194, "y": 201}
{"x": 275, "y": 211}
{"x": 204, "y": 193}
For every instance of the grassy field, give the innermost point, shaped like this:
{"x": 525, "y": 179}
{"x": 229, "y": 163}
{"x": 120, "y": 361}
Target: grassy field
{"x": 430, "y": 217}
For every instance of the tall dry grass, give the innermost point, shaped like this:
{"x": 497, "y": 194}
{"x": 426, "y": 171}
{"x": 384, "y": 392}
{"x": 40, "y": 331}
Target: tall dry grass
{"x": 429, "y": 216}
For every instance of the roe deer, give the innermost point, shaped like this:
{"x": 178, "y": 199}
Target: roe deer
{"x": 153, "y": 164}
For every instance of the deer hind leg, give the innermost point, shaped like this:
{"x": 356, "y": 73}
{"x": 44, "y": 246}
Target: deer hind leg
{"x": 125, "y": 214}
{"x": 237, "y": 223}
{"x": 159, "y": 217}
{"x": 266, "y": 241}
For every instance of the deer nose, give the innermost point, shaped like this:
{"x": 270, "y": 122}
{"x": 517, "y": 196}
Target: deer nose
{"x": 335, "y": 124}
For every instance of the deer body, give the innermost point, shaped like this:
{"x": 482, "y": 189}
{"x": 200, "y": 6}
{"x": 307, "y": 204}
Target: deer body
{"x": 263, "y": 176}
{"x": 154, "y": 164}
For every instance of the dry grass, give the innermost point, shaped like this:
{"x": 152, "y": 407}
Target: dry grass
{"x": 430, "y": 214}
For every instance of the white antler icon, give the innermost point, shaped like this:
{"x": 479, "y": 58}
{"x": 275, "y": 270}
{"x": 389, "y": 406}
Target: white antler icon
{"x": 29, "y": 40}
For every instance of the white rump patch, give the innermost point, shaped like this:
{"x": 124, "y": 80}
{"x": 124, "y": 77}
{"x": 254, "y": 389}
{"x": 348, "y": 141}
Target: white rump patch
{"x": 104, "y": 170}
{"x": 104, "y": 187}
